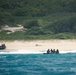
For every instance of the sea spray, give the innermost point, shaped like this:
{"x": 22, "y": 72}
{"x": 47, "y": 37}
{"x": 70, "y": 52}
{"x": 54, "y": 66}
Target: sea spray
{"x": 23, "y": 52}
{"x": 32, "y": 51}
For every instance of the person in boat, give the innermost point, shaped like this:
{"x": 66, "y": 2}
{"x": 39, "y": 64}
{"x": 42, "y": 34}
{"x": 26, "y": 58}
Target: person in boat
{"x": 57, "y": 51}
{"x": 48, "y": 51}
{"x": 54, "y": 51}
{"x": 51, "y": 51}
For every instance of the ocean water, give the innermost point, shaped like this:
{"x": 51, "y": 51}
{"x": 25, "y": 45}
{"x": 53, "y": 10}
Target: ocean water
{"x": 13, "y": 63}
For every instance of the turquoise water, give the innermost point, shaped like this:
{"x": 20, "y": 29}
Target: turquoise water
{"x": 38, "y": 64}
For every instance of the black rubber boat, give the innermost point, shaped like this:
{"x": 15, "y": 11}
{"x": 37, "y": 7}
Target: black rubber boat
{"x": 2, "y": 47}
{"x": 52, "y": 51}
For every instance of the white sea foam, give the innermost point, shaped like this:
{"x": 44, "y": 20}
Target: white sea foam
{"x": 68, "y": 51}
{"x": 23, "y": 52}
{"x": 32, "y": 51}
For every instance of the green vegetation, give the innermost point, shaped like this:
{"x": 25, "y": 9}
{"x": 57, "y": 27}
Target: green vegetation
{"x": 42, "y": 19}
{"x": 65, "y": 25}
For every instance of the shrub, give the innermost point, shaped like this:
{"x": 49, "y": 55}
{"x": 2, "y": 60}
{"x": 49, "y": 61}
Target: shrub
{"x": 63, "y": 36}
{"x": 62, "y": 26}
{"x": 31, "y": 24}
{"x": 35, "y": 31}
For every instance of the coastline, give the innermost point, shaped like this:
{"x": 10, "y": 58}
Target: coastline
{"x": 62, "y": 45}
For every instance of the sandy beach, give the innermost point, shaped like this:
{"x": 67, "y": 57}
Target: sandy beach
{"x": 40, "y": 45}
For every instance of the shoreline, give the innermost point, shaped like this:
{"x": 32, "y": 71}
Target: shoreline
{"x": 62, "y": 45}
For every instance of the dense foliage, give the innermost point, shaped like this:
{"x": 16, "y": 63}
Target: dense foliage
{"x": 11, "y": 8}
{"x": 53, "y": 18}
{"x": 61, "y": 26}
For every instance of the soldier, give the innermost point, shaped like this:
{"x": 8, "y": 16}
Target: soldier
{"x": 51, "y": 51}
{"x": 48, "y": 51}
{"x": 57, "y": 51}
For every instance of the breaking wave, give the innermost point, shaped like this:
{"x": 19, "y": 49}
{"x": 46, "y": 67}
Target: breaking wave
{"x": 32, "y": 51}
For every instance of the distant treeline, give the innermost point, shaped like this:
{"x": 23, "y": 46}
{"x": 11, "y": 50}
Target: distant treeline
{"x": 35, "y": 8}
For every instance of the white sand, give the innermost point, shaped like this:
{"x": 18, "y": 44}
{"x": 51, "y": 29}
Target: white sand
{"x": 40, "y": 45}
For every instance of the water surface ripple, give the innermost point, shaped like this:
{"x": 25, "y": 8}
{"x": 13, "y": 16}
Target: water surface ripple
{"x": 38, "y": 64}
